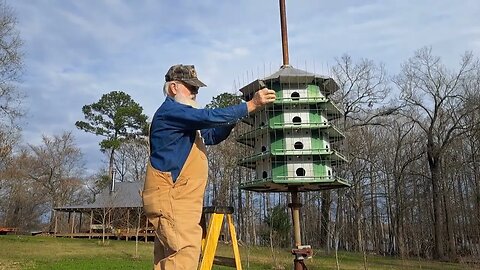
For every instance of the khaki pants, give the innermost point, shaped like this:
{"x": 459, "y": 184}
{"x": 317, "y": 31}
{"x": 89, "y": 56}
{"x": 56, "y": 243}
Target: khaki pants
{"x": 175, "y": 209}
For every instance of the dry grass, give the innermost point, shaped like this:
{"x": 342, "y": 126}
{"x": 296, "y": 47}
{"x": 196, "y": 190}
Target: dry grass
{"x": 27, "y": 252}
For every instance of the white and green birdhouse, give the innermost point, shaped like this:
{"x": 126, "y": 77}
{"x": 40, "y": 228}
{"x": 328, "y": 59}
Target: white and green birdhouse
{"x": 291, "y": 140}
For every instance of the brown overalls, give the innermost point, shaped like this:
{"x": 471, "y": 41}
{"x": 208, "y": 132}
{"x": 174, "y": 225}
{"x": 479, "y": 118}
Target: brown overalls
{"x": 175, "y": 210}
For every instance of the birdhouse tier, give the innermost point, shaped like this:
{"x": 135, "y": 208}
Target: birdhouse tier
{"x": 294, "y": 114}
{"x": 333, "y": 156}
{"x": 291, "y": 141}
{"x": 296, "y": 124}
{"x": 290, "y": 78}
{"x": 322, "y": 135}
{"x": 297, "y": 184}
{"x": 305, "y": 173}
{"x": 268, "y": 185}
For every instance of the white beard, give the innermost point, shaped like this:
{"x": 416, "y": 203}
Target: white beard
{"x": 186, "y": 100}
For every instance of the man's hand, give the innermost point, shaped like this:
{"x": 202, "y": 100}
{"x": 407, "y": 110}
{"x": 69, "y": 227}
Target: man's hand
{"x": 261, "y": 98}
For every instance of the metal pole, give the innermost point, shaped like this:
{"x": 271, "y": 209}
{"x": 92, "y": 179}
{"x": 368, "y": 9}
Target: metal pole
{"x": 296, "y": 219}
{"x": 283, "y": 25}
{"x": 300, "y": 252}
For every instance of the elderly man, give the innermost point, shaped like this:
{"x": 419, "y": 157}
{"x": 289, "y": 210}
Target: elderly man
{"x": 178, "y": 169}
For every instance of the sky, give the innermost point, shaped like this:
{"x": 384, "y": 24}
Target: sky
{"x": 75, "y": 51}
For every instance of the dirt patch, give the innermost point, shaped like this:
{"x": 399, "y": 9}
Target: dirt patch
{"x": 10, "y": 265}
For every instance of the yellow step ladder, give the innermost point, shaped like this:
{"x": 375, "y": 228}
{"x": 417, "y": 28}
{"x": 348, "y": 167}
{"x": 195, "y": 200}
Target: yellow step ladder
{"x": 210, "y": 238}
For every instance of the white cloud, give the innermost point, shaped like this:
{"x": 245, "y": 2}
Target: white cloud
{"x": 75, "y": 51}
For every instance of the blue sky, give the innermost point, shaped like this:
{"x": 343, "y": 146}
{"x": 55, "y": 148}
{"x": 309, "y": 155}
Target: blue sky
{"x": 78, "y": 50}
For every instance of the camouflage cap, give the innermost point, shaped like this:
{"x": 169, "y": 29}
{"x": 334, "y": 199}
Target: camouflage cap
{"x": 184, "y": 73}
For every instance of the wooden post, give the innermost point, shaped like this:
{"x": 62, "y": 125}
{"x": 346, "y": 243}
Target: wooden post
{"x": 109, "y": 222}
{"x": 80, "y": 223}
{"x": 146, "y": 231}
{"x": 73, "y": 224}
{"x": 299, "y": 251}
{"x": 91, "y": 223}
{"x": 128, "y": 224}
{"x": 56, "y": 222}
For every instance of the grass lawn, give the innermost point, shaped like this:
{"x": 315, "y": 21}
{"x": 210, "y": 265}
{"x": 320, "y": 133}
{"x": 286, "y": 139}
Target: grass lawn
{"x": 48, "y": 253}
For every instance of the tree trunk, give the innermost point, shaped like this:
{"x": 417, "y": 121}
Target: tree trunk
{"x": 373, "y": 213}
{"x": 399, "y": 219}
{"x": 452, "y": 249}
{"x": 110, "y": 166}
{"x": 325, "y": 218}
{"x": 434, "y": 165}
{"x": 240, "y": 210}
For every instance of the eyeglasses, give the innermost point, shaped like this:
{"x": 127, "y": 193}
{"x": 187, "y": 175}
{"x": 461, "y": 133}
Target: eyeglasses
{"x": 191, "y": 88}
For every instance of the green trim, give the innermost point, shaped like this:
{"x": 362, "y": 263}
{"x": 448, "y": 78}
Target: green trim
{"x": 314, "y": 91}
{"x": 333, "y": 133}
{"x": 333, "y": 156}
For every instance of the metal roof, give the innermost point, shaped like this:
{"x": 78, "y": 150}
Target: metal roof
{"x": 289, "y": 71}
{"x": 289, "y": 74}
{"x": 126, "y": 195}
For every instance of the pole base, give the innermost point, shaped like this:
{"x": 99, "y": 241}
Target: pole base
{"x": 301, "y": 253}
{"x": 299, "y": 265}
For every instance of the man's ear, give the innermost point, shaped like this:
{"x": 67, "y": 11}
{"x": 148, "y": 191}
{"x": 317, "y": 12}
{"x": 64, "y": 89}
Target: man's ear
{"x": 172, "y": 88}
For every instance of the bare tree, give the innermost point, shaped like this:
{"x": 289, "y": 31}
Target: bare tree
{"x": 437, "y": 96}
{"x": 222, "y": 159}
{"x": 401, "y": 148}
{"x": 97, "y": 182}
{"x": 8, "y": 140}
{"x": 57, "y": 167}
{"x": 363, "y": 89}
{"x": 10, "y": 65}
{"x": 105, "y": 213}
{"x": 22, "y": 200}
{"x": 131, "y": 160}
{"x": 10, "y": 97}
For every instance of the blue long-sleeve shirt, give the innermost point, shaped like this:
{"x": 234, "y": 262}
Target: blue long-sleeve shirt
{"x": 174, "y": 127}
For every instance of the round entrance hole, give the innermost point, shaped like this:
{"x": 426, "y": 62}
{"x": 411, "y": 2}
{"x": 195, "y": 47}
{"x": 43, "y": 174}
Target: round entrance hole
{"x": 300, "y": 172}
{"x": 298, "y": 145}
{"x": 297, "y": 120}
{"x": 295, "y": 96}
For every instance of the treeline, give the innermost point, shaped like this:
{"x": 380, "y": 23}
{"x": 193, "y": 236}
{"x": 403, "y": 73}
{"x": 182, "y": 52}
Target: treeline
{"x": 413, "y": 145}
{"x": 412, "y": 141}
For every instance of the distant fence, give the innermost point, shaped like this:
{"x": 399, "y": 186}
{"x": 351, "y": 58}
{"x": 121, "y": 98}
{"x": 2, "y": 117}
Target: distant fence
{"x": 7, "y": 230}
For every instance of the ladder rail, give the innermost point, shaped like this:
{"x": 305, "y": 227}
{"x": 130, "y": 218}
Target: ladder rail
{"x": 210, "y": 240}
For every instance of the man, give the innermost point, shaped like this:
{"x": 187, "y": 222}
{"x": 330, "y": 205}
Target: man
{"x": 177, "y": 171}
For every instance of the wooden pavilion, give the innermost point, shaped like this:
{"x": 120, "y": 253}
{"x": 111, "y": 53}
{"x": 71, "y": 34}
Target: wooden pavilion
{"x": 116, "y": 213}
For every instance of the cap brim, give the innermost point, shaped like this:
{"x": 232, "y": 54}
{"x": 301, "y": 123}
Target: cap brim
{"x": 194, "y": 82}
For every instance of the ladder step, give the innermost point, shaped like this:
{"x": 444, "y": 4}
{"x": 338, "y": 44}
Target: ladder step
{"x": 224, "y": 261}
{"x": 218, "y": 209}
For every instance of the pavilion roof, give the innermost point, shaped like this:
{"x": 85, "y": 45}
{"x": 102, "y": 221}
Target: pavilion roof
{"x": 125, "y": 195}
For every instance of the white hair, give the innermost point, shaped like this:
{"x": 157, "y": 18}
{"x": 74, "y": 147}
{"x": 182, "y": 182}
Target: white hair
{"x": 179, "y": 97}
{"x": 165, "y": 88}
